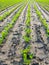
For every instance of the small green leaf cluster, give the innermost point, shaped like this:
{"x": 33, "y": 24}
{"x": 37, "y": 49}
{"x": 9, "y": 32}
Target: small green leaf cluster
{"x": 27, "y": 56}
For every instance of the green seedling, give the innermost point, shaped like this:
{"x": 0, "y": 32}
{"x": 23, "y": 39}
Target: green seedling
{"x": 26, "y": 39}
{"x": 1, "y": 39}
{"x": 27, "y": 56}
{"x": 1, "y": 18}
{"x": 4, "y": 33}
{"x": 28, "y": 31}
{"x": 47, "y": 32}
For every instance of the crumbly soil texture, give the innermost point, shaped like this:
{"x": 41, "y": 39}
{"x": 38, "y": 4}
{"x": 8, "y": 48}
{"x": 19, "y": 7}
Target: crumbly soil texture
{"x": 10, "y": 50}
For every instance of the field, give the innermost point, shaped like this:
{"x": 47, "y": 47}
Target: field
{"x": 24, "y": 32}
{"x": 8, "y": 3}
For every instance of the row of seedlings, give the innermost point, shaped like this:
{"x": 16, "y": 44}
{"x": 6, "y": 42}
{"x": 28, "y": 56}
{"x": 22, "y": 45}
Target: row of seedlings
{"x": 43, "y": 21}
{"x": 45, "y": 46}
{"x": 6, "y": 30}
{"x": 16, "y": 39}
{"x": 13, "y": 50}
{"x": 26, "y": 55}
{"x": 9, "y": 19}
{"x": 8, "y": 13}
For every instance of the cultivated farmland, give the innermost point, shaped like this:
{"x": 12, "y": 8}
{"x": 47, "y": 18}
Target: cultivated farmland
{"x": 24, "y": 32}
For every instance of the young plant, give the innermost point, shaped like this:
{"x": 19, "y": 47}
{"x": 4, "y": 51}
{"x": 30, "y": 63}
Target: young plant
{"x": 27, "y": 56}
{"x": 1, "y": 39}
{"x": 28, "y": 22}
{"x": 45, "y": 23}
{"x": 4, "y": 33}
{"x": 26, "y": 39}
{"x": 1, "y": 18}
{"x": 47, "y": 31}
{"x": 28, "y": 31}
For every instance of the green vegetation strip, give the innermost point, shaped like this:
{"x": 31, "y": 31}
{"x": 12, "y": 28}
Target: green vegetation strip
{"x": 6, "y": 30}
{"x": 46, "y": 26}
{"x": 26, "y": 55}
{"x": 27, "y": 29}
{"x": 8, "y": 13}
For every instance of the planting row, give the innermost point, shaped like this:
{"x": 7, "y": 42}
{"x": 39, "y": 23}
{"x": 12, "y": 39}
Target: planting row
{"x": 26, "y": 54}
{"x": 14, "y": 42}
{"x": 39, "y": 43}
{"x": 8, "y": 19}
{"x": 5, "y": 32}
{"x": 8, "y": 13}
{"x": 43, "y": 21}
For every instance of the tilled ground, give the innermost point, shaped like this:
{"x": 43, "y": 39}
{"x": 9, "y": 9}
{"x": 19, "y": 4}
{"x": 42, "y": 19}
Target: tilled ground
{"x": 39, "y": 41}
{"x": 10, "y": 50}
